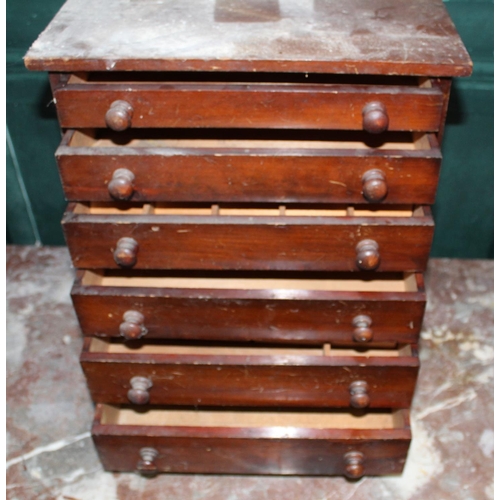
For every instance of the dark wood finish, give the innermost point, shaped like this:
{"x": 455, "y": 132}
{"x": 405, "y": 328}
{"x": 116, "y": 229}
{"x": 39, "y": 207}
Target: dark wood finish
{"x": 444, "y": 84}
{"x": 362, "y": 331}
{"x": 367, "y": 255}
{"x": 146, "y": 465}
{"x": 354, "y": 464}
{"x": 317, "y": 82}
{"x": 119, "y": 115}
{"x": 362, "y": 37}
{"x": 360, "y": 394}
{"x": 244, "y": 450}
{"x": 304, "y": 380}
{"x": 374, "y": 185}
{"x": 253, "y": 174}
{"x": 375, "y": 118}
{"x": 297, "y": 316}
{"x": 276, "y": 106}
{"x": 121, "y": 186}
{"x": 125, "y": 254}
{"x": 138, "y": 394}
{"x": 133, "y": 327}
{"x": 245, "y": 242}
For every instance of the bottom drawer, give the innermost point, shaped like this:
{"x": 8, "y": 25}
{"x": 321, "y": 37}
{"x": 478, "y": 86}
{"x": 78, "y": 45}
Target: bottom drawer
{"x": 251, "y": 442}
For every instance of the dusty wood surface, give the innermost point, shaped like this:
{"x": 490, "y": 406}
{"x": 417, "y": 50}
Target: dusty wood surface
{"x": 365, "y": 37}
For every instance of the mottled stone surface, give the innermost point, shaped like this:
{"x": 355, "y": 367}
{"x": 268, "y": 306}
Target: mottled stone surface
{"x": 51, "y": 456}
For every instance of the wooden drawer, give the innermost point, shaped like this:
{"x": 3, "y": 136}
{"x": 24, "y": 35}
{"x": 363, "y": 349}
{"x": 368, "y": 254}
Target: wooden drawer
{"x": 339, "y": 308}
{"x": 84, "y": 103}
{"x": 334, "y": 167}
{"x": 169, "y": 237}
{"x": 243, "y": 442}
{"x": 194, "y": 375}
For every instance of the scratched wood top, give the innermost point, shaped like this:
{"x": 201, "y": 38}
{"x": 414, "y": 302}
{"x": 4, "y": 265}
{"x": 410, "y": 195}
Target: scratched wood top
{"x": 403, "y": 37}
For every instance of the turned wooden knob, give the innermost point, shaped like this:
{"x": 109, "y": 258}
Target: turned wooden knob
{"x": 354, "y": 464}
{"x": 133, "y": 327}
{"x": 375, "y": 118}
{"x": 367, "y": 255}
{"x": 362, "y": 330}
{"x": 119, "y": 115}
{"x": 125, "y": 254}
{"x": 146, "y": 465}
{"x": 138, "y": 394}
{"x": 374, "y": 185}
{"x": 359, "y": 394}
{"x": 121, "y": 186}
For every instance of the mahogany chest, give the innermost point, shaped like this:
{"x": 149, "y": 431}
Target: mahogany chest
{"x": 249, "y": 189}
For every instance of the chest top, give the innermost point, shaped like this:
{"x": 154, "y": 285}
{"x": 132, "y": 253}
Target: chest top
{"x": 401, "y": 37}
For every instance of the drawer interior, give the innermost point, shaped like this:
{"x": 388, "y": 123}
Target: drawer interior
{"x": 283, "y": 211}
{"x": 243, "y": 140}
{"x": 159, "y": 347}
{"x": 112, "y": 415}
{"x": 243, "y": 77}
{"x": 384, "y": 282}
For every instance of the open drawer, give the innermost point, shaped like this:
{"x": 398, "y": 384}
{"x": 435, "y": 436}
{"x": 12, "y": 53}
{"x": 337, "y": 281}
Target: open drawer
{"x": 306, "y": 308}
{"x": 331, "y": 238}
{"x": 200, "y": 375}
{"x": 135, "y": 100}
{"x": 260, "y": 167}
{"x": 244, "y": 442}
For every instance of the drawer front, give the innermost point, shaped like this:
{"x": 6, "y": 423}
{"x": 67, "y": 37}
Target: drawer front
{"x": 281, "y": 106}
{"x": 163, "y": 374}
{"x": 321, "y": 243}
{"x": 248, "y": 171}
{"x": 341, "y": 311}
{"x": 251, "y": 450}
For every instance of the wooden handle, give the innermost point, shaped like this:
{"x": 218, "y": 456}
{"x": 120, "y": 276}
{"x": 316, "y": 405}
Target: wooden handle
{"x": 133, "y": 327}
{"x": 367, "y": 255}
{"x": 125, "y": 254}
{"x": 146, "y": 465}
{"x": 375, "y": 118}
{"x": 374, "y": 185}
{"x": 362, "y": 331}
{"x": 354, "y": 464}
{"x": 119, "y": 115}
{"x": 359, "y": 394}
{"x": 138, "y": 394}
{"x": 121, "y": 186}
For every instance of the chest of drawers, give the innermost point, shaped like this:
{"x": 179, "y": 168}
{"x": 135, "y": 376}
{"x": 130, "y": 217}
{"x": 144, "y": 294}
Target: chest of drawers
{"x": 249, "y": 188}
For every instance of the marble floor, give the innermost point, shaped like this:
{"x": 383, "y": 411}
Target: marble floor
{"x": 50, "y": 454}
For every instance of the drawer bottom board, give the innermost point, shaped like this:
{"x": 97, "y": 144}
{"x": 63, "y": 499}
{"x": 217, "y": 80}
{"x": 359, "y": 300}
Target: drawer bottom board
{"x": 252, "y": 442}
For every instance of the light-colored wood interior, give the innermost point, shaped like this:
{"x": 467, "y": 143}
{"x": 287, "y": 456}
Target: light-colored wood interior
{"x": 424, "y": 83}
{"x": 307, "y": 420}
{"x": 400, "y": 283}
{"x": 220, "y": 210}
{"x": 98, "y": 345}
{"x": 84, "y": 139}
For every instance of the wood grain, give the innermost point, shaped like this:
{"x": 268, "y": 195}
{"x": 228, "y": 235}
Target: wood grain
{"x": 246, "y": 242}
{"x": 246, "y": 450}
{"x": 244, "y": 379}
{"x": 272, "y": 106}
{"x": 263, "y": 315}
{"x": 362, "y": 37}
{"x": 248, "y": 172}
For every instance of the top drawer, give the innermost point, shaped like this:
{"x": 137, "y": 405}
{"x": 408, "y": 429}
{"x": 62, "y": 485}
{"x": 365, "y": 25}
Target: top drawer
{"x": 95, "y": 102}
